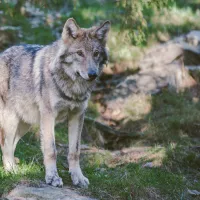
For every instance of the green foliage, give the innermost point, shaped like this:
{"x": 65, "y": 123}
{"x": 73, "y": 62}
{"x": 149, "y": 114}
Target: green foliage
{"x": 134, "y": 17}
{"x": 126, "y": 15}
{"x": 135, "y": 24}
{"x": 92, "y": 110}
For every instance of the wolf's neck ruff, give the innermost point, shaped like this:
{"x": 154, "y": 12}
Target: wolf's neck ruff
{"x": 66, "y": 97}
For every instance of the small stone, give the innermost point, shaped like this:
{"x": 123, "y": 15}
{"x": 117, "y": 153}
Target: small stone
{"x": 194, "y": 192}
{"x": 148, "y": 165}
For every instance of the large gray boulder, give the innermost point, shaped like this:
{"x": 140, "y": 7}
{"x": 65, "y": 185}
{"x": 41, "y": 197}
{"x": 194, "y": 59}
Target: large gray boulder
{"x": 190, "y": 44}
{"x": 161, "y": 67}
{"x": 44, "y": 193}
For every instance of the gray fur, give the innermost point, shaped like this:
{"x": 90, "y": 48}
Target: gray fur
{"x": 45, "y": 84}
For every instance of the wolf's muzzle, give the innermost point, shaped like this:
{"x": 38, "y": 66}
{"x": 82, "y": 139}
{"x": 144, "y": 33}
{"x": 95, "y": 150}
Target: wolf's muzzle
{"x": 92, "y": 75}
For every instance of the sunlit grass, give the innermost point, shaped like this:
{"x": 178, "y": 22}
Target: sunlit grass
{"x": 131, "y": 182}
{"x": 30, "y": 173}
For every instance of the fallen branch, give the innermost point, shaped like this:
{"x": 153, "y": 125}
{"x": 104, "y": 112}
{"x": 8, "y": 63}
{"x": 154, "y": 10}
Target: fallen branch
{"x": 108, "y": 130}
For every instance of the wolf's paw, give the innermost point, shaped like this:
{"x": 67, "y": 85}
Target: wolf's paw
{"x": 9, "y": 166}
{"x": 78, "y": 178}
{"x": 54, "y": 180}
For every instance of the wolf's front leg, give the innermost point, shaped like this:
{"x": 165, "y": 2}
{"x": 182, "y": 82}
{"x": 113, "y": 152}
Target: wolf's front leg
{"x": 49, "y": 148}
{"x": 75, "y": 125}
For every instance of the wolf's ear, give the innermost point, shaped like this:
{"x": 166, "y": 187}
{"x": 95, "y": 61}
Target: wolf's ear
{"x": 102, "y": 31}
{"x": 70, "y": 29}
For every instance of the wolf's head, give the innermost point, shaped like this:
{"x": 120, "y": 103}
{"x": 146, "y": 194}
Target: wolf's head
{"x": 83, "y": 51}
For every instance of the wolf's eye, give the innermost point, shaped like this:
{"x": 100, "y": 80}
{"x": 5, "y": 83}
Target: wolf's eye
{"x": 96, "y": 53}
{"x": 80, "y": 53}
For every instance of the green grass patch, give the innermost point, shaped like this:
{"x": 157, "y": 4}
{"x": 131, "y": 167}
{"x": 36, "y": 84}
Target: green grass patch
{"x": 30, "y": 167}
{"x": 168, "y": 116}
{"x": 127, "y": 181}
{"x": 131, "y": 182}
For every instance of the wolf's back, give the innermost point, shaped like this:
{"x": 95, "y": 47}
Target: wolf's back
{"x": 16, "y": 64}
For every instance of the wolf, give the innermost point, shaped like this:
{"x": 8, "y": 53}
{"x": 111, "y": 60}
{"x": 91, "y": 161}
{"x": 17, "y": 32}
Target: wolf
{"x": 43, "y": 85}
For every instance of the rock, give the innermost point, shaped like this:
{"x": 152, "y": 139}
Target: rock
{"x": 45, "y": 193}
{"x": 35, "y": 15}
{"x": 30, "y": 10}
{"x": 194, "y": 192}
{"x": 9, "y": 28}
{"x": 148, "y": 165}
{"x": 8, "y": 36}
{"x": 193, "y": 38}
{"x": 190, "y": 44}
{"x": 161, "y": 55}
{"x": 161, "y": 68}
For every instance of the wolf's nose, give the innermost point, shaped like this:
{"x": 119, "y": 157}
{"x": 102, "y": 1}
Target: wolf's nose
{"x": 92, "y": 75}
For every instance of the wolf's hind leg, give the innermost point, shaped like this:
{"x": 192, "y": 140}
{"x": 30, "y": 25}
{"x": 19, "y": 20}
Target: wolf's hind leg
{"x": 22, "y": 129}
{"x": 9, "y": 130}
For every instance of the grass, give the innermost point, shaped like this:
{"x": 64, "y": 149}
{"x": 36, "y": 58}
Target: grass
{"x": 128, "y": 181}
{"x": 170, "y": 116}
{"x": 120, "y": 177}
{"x": 131, "y": 182}
{"x": 125, "y": 181}
{"x": 30, "y": 166}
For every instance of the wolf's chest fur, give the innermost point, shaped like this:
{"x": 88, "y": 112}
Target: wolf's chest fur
{"x": 28, "y": 109}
